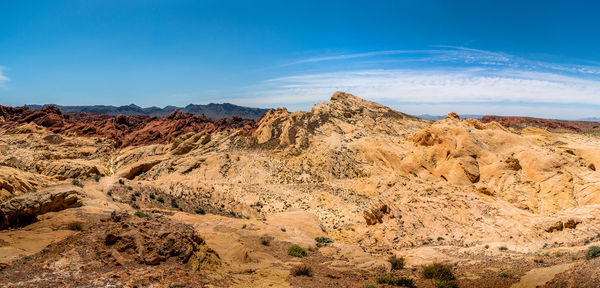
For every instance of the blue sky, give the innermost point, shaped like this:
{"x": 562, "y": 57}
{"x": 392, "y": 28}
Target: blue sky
{"x": 537, "y": 58}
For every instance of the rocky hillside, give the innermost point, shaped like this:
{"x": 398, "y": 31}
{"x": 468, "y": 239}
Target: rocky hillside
{"x": 556, "y": 125}
{"x": 351, "y": 182}
{"x": 213, "y": 111}
{"x": 122, "y": 130}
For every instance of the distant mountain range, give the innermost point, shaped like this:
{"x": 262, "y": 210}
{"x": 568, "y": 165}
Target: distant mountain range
{"x": 212, "y": 110}
{"x": 474, "y": 116}
{"x": 435, "y": 118}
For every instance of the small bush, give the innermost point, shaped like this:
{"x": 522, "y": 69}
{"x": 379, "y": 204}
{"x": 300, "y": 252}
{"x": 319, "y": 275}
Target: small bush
{"x": 302, "y": 270}
{"x": 109, "y": 193}
{"x": 390, "y": 279}
{"x": 593, "y": 252}
{"x": 121, "y": 182}
{"x": 502, "y": 248}
{"x": 439, "y": 272}
{"x": 506, "y": 274}
{"x": 75, "y": 226}
{"x": 200, "y": 211}
{"x": 296, "y": 251}
{"x": 152, "y": 196}
{"x": 265, "y": 240}
{"x": 97, "y": 178}
{"x": 539, "y": 261}
{"x": 129, "y": 188}
{"x": 141, "y": 214}
{"x": 174, "y": 203}
{"x": 160, "y": 199}
{"x": 137, "y": 194}
{"x": 397, "y": 263}
{"x": 444, "y": 284}
{"x": 76, "y": 182}
{"x": 323, "y": 240}
{"x": 133, "y": 197}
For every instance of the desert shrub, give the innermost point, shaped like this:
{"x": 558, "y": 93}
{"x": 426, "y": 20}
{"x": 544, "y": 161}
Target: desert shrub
{"x": 174, "y": 203}
{"x": 390, "y": 279}
{"x": 302, "y": 270}
{"x": 505, "y": 274}
{"x": 133, "y": 197}
{"x": 141, "y": 214}
{"x": 160, "y": 199}
{"x": 109, "y": 193}
{"x": 323, "y": 240}
{"x": 438, "y": 271}
{"x": 121, "y": 182}
{"x": 539, "y": 261}
{"x": 593, "y": 252}
{"x": 200, "y": 211}
{"x": 152, "y": 196}
{"x": 397, "y": 263}
{"x": 97, "y": 178}
{"x": 444, "y": 284}
{"x": 265, "y": 240}
{"x": 129, "y": 188}
{"x": 137, "y": 194}
{"x": 296, "y": 251}
{"x": 76, "y": 182}
{"x": 502, "y": 248}
{"x": 75, "y": 226}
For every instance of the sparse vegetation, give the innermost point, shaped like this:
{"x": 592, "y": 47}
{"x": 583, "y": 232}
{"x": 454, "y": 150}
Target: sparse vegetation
{"x": 137, "y": 194}
{"x": 174, "y": 203}
{"x": 265, "y": 240}
{"x": 141, "y": 214}
{"x": 160, "y": 199}
{"x": 75, "y": 226}
{"x": 76, "y": 182}
{"x": 323, "y": 240}
{"x": 539, "y": 261}
{"x": 296, "y": 251}
{"x": 97, "y": 177}
{"x": 438, "y": 271}
{"x": 200, "y": 211}
{"x": 506, "y": 274}
{"x": 129, "y": 188}
{"x": 302, "y": 270}
{"x": 391, "y": 279}
{"x": 152, "y": 196}
{"x": 593, "y": 252}
{"x": 502, "y": 248}
{"x": 444, "y": 284}
{"x": 397, "y": 262}
{"x": 133, "y": 197}
{"x": 121, "y": 182}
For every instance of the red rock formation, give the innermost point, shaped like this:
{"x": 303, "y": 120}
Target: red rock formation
{"x": 123, "y": 130}
{"x": 520, "y": 122}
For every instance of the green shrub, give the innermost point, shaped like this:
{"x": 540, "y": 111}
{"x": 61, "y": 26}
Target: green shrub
{"x": 397, "y": 263}
{"x": 160, "y": 199}
{"x": 137, "y": 194}
{"x": 390, "y": 279}
{"x": 174, "y": 203}
{"x": 129, "y": 188}
{"x": 302, "y": 270}
{"x": 506, "y": 274}
{"x": 444, "y": 284}
{"x": 502, "y": 248}
{"x": 76, "y": 182}
{"x": 133, "y": 197}
{"x": 593, "y": 252}
{"x": 152, "y": 196}
{"x": 121, "y": 182}
{"x": 438, "y": 271}
{"x": 200, "y": 211}
{"x": 75, "y": 226}
{"x": 141, "y": 214}
{"x": 323, "y": 240}
{"x": 296, "y": 251}
{"x": 97, "y": 177}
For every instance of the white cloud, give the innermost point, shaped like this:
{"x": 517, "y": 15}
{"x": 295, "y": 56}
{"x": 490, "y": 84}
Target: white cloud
{"x": 3, "y": 78}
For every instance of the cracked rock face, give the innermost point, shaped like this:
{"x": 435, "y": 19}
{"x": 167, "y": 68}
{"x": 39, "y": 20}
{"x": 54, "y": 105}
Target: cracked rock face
{"x": 24, "y": 209}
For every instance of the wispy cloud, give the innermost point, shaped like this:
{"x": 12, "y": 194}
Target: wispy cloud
{"x": 446, "y": 76}
{"x": 3, "y": 78}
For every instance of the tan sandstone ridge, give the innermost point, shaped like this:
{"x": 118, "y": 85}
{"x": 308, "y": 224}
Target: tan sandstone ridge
{"x": 376, "y": 181}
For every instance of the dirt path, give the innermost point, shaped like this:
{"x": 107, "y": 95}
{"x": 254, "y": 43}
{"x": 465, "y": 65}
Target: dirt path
{"x": 539, "y": 276}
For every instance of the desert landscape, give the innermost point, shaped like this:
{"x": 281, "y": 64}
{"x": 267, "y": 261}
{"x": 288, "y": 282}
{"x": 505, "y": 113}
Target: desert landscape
{"x": 349, "y": 194}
